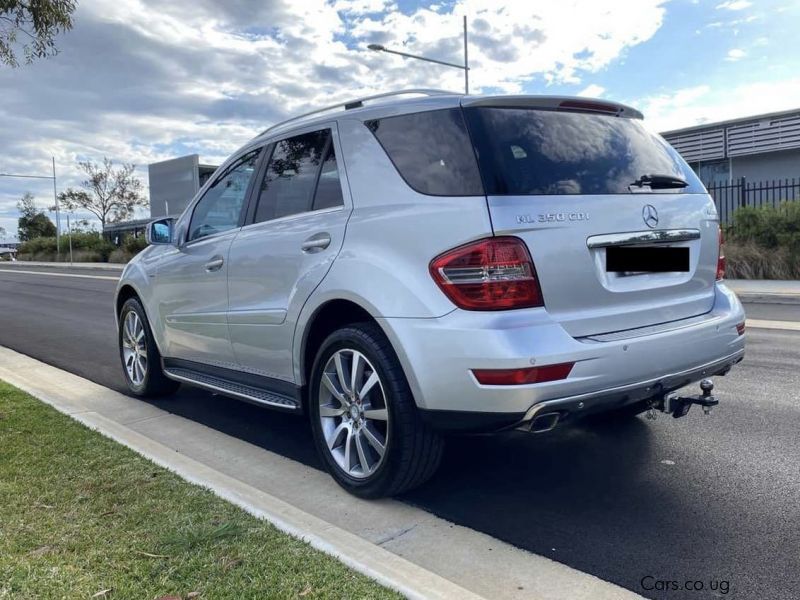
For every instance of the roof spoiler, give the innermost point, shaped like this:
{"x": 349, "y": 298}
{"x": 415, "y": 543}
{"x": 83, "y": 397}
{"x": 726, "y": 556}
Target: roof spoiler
{"x": 561, "y": 103}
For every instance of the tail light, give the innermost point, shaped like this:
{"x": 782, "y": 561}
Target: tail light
{"x": 524, "y": 375}
{"x": 491, "y": 274}
{"x": 721, "y": 257}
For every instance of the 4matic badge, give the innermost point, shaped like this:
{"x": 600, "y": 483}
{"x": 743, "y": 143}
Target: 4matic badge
{"x": 558, "y": 217}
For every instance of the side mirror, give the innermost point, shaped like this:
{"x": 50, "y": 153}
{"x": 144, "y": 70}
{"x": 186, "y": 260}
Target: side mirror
{"x": 160, "y": 232}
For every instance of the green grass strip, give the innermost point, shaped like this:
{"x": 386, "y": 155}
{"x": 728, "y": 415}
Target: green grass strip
{"x": 82, "y": 516}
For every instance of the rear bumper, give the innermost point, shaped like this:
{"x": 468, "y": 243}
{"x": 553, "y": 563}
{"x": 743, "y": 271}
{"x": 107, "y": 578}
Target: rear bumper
{"x": 438, "y": 356}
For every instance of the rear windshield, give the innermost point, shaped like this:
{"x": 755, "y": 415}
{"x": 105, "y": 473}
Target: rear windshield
{"x": 527, "y": 151}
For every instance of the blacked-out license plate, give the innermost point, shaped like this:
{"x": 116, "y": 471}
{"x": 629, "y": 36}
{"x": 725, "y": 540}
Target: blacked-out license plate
{"x": 646, "y": 259}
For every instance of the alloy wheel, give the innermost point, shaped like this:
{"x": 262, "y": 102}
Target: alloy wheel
{"x": 134, "y": 348}
{"x": 353, "y": 413}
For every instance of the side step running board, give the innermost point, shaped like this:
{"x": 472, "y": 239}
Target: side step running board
{"x": 227, "y": 387}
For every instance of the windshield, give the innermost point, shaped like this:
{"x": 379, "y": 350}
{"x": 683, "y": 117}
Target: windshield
{"x": 525, "y": 151}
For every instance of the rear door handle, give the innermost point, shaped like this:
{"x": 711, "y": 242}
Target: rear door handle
{"x": 215, "y": 264}
{"x": 316, "y": 242}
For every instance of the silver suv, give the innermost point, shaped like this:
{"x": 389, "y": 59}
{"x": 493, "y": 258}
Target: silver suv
{"x": 399, "y": 268}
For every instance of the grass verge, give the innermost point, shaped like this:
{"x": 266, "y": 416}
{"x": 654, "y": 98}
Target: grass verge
{"x": 84, "y": 517}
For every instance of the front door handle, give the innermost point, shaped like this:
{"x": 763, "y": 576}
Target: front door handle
{"x": 316, "y": 242}
{"x": 215, "y": 264}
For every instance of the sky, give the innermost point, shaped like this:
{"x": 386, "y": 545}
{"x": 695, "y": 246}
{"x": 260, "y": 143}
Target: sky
{"x": 145, "y": 80}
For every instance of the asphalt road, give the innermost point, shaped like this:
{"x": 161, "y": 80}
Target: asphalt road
{"x": 708, "y": 499}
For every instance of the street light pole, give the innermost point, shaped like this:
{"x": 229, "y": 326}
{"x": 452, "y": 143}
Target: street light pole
{"x": 55, "y": 198}
{"x": 466, "y": 59}
{"x": 464, "y": 67}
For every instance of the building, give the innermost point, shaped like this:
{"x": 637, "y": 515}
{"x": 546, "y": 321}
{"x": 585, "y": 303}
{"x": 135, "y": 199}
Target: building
{"x": 759, "y": 148}
{"x": 117, "y": 232}
{"x": 174, "y": 182}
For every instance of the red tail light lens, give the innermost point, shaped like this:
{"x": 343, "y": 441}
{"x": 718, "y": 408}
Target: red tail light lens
{"x": 523, "y": 376}
{"x": 721, "y": 259}
{"x": 740, "y": 328}
{"x": 491, "y": 274}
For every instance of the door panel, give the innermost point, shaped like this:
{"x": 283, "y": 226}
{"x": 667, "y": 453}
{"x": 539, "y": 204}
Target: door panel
{"x": 270, "y": 279}
{"x": 192, "y": 280}
{"x": 277, "y": 263}
{"x": 193, "y": 301}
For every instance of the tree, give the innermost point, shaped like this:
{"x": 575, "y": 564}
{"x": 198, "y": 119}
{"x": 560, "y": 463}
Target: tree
{"x": 2, "y": 232}
{"x": 108, "y": 193}
{"x": 39, "y": 22}
{"x": 33, "y": 223}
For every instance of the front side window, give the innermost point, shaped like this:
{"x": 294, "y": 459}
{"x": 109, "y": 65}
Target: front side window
{"x": 431, "y": 151}
{"x": 221, "y": 206}
{"x": 525, "y": 151}
{"x": 291, "y": 176}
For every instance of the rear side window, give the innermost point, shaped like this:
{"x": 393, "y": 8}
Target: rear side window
{"x": 530, "y": 152}
{"x": 291, "y": 176}
{"x": 431, "y": 151}
{"x": 329, "y": 188}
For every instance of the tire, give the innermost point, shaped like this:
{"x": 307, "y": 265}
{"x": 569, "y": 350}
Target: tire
{"x": 385, "y": 412}
{"x": 149, "y": 381}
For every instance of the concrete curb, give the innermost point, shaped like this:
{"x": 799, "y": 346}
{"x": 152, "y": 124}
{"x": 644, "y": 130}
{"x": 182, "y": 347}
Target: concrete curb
{"x": 766, "y": 298}
{"x": 65, "y": 265}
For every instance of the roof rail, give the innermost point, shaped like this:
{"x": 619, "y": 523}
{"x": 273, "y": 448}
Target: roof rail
{"x": 359, "y": 102}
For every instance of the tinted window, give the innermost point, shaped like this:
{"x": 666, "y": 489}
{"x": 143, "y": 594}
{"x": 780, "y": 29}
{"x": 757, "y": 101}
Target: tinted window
{"x": 221, "y": 206}
{"x": 526, "y": 151}
{"x": 329, "y": 189}
{"x": 288, "y": 185}
{"x": 432, "y": 151}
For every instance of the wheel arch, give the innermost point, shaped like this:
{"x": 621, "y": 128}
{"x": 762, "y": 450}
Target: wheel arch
{"x": 125, "y": 292}
{"x": 331, "y": 314}
{"x": 324, "y": 320}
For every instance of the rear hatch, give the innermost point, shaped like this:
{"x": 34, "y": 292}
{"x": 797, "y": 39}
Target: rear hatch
{"x": 577, "y": 184}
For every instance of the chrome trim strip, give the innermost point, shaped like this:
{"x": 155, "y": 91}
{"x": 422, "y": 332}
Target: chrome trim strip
{"x": 226, "y": 392}
{"x": 700, "y": 371}
{"x": 662, "y": 236}
{"x": 627, "y": 334}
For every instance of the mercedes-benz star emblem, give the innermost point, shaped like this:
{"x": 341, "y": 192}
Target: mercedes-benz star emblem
{"x": 650, "y": 215}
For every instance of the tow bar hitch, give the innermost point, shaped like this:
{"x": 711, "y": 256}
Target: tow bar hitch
{"x": 678, "y": 406}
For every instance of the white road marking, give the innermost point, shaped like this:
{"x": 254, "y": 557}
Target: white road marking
{"x": 767, "y": 324}
{"x": 60, "y": 274}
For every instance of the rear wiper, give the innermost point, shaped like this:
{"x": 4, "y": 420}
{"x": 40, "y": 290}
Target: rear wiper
{"x": 660, "y": 182}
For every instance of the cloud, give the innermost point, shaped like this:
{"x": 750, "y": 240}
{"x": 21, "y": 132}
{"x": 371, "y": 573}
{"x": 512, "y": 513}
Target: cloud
{"x": 701, "y": 104}
{"x": 592, "y": 91}
{"x": 144, "y": 80}
{"x": 735, "y": 5}
{"x": 735, "y": 54}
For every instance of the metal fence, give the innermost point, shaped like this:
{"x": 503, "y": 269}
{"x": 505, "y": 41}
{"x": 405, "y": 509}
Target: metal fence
{"x": 730, "y": 196}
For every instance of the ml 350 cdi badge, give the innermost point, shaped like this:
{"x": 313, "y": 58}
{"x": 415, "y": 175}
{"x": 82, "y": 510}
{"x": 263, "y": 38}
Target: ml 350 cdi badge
{"x": 399, "y": 267}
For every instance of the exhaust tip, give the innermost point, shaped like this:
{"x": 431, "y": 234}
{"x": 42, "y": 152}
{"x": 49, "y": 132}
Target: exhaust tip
{"x": 545, "y": 422}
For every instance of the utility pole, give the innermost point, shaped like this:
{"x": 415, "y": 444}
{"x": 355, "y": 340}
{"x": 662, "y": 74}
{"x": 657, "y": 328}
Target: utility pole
{"x": 58, "y": 216}
{"x": 69, "y": 233}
